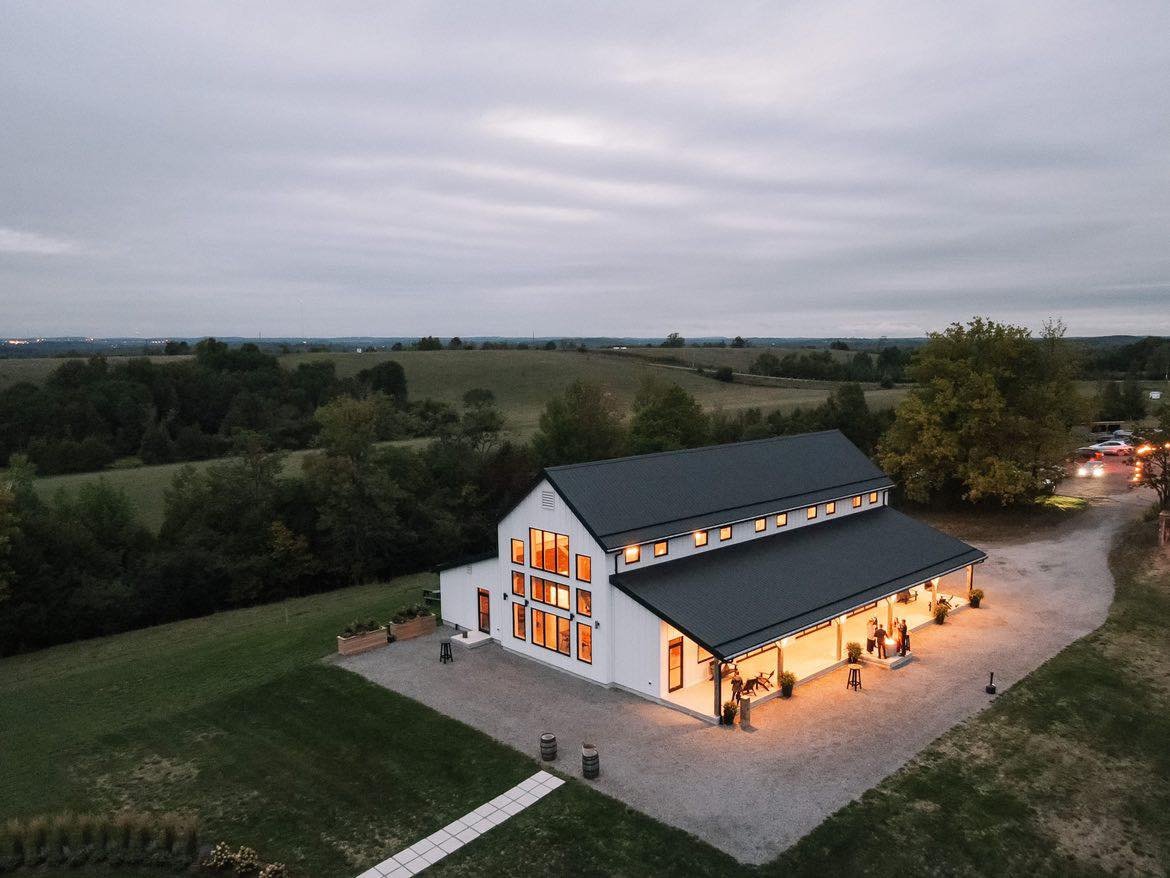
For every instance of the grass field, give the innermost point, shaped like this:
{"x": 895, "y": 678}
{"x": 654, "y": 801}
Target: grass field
{"x": 145, "y": 486}
{"x": 524, "y": 381}
{"x": 739, "y": 359}
{"x": 13, "y": 370}
{"x": 235, "y": 717}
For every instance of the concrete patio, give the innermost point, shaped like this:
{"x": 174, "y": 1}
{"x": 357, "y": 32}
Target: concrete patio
{"x": 753, "y": 792}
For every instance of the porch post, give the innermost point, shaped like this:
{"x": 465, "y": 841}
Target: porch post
{"x": 970, "y": 578}
{"x": 840, "y": 637}
{"x": 779, "y": 662}
{"x": 717, "y": 667}
{"x": 889, "y": 613}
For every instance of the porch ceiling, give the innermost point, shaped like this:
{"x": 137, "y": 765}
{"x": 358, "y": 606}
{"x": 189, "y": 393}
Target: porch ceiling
{"x": 733, "y": 599}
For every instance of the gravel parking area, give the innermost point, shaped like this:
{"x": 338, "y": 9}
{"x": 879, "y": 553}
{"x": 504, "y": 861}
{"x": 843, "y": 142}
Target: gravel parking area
{"x": 753, "y": 792}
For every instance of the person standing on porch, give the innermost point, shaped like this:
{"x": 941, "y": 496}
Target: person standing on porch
{"x": 870, "y": 634}
{"x": 905, "y": 632}
{"x": 881, "y": 641}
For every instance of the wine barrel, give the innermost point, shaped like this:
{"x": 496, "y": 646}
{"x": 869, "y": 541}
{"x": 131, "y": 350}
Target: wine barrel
{"x": 590, "y": 762}
{"x": 548, "y": 747}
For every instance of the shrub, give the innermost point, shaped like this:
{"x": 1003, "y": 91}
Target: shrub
{"x": 274, "y": 870}
{"x": 11, "y": 844}
{"x": 730, "y": 709}
{"x": 787, "y": 681}
{"x": 941, "y": 608}
{"x": 355, "y": 627}
{"x": 853, "y": 650}
{"x": 36, "y": 837}
{"x": 60, "y": 828}
{"x": 724, "y": 373}
{"x": 976, "y": 596}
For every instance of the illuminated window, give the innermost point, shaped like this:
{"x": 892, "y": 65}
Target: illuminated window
{"x": 585, "y": 642}
{"x": 872, "y": 497}
{"x": 674, "y": 667}
{"x": 549, "y": 551}
{"x": 811, "y": 512}
{"x": 830, "y": 508}
{"x": 518, "y": 583}
{"x": 782, "y": 519}
{"x": 761, "y": 523}
{"x": 518, "y": 621}
{"x": 700, "y": 538}
{"x": 704, "y": 655}
{"x": 584, "y": 602}
{"x": 725, "y": 533}
{"x": 661, "y": 548}
{"x": 584, "y": 568}
{"x": 552, "y": 593}
{"x": 517, "y": 551}
{"x": 857, "y": 501}
{"x": 550, "y": 631}
{"x": 633, "y": 554}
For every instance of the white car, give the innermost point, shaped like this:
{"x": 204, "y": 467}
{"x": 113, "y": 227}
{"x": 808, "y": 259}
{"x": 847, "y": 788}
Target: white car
{"x": 1109, "y": 446}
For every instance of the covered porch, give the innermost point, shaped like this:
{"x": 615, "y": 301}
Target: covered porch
{"x": 792, "y": 603}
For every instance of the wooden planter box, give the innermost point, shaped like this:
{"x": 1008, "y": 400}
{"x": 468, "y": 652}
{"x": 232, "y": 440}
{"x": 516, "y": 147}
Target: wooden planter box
{"x": 419, "y": 627}
{"x": 361, "y": 642}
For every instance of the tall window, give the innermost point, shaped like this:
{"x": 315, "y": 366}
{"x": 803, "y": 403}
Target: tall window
{"x": 517, "y": 583}
{"x": 661, "y": 548}
{"x": 761, "y": 523}
{"x": 700, "y": 538}
{"x": 552, "y": 593}
{"x": 585, "y": 642}
{"x": 811, "y": 513}
{"x": 584, "y": 568}
{"x": 830, "y": 508}
{"x": 674, "y": 667}
{"x": 551, "y": 631}
{"x": 857, "y": 501}
{"x": 550, "y": 551}
{"x": 518, "y": 622}
{"x": 782, "y": 519}
{"x": 584, "y": 602}
{"x": 517, "y": 551}
{"x": 633, "y": 554}
{"x": 725, "y": 533}
{"x": 872, "y": 497}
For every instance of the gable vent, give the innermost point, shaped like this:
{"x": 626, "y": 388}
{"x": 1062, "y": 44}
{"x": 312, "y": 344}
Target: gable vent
{"x": 547, "y": 499}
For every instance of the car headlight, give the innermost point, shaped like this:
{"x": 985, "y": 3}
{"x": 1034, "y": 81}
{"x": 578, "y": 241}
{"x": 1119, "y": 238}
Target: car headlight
{"x": 1081, "y": 471}
{"x": 1099, "y": 472}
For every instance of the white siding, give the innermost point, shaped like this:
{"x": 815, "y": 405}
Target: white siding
{"x": 635, "y": 639}
{"x": 458, "y": 588}
{"x": 683, "y": 545}
{"x": 543, "y": 508}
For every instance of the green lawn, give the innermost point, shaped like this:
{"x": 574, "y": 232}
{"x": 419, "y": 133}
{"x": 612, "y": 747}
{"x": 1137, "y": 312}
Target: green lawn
{"x": 235, "y": 717}
{"x": 524, "y": 381}
{"x": 1068, "y": 773}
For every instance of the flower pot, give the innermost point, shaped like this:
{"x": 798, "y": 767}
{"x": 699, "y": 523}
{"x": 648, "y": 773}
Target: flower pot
{"x": 940, "y": 618}
{"x": 785, "y": 691}
{"x": 975, "y": 602}
{"x": 361, "y": 642}
{"x": 412, "y": 628}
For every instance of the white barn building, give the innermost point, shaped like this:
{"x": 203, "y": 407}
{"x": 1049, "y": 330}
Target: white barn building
{"x": 657, "y": 573}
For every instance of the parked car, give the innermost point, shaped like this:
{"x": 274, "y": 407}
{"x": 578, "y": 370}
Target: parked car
{"x": 1109, "y": 446}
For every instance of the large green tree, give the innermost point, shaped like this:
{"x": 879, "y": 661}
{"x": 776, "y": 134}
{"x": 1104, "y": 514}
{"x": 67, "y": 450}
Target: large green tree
{"x": 666, "y": 418}
{"x": 991, "y": 415}
{"x": 583, "y": 424}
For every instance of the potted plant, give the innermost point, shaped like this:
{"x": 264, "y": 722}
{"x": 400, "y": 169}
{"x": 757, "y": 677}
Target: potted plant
{"x": 853, "y": 651}
{"x": 976, "y": 597}
{"x": 415, "y": 621}
{"x": 787, "y": 682}
{"x": 730, "y": 709}
{"x": 941, "y": 608}
{"x": 360, "y": 636}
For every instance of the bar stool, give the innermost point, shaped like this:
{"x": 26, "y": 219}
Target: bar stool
{"x": 445, "y": 651}
{"x": 854, "y": 681}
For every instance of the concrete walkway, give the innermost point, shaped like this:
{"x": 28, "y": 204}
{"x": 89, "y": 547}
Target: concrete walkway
{"x": 753, "y": 792}
{"x": 466, "y": 829}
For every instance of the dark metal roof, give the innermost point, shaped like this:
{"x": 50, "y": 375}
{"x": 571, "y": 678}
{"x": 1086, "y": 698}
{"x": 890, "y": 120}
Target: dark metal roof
{"x": 734, "y": 599}
{"x": 638, "y": 499}
{"x": 467, "y": 559}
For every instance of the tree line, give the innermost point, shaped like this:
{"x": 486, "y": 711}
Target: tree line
{"x": 88, "y": 413}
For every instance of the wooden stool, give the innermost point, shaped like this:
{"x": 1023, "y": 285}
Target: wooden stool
{"x": 445, "y": 651}
{"x": 854, "y": 681}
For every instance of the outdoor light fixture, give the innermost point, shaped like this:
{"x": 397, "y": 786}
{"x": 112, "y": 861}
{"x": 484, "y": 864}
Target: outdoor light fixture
{"x": 841, "y": 620}
{"x": 597, "y": 624}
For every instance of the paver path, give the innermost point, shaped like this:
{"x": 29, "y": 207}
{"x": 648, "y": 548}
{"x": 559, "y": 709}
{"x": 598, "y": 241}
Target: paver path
{"x": 469, "y": 827}
{"x": 753, "y": 793}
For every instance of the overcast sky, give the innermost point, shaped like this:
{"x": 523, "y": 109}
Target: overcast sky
{"x": 582, "y": 169}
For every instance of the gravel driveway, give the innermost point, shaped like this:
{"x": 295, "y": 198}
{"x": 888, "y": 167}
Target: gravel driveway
{"x": 754, "y": 793}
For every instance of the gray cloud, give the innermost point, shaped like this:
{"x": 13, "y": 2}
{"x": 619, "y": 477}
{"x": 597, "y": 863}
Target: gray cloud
{"x": 582, "y": 169}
